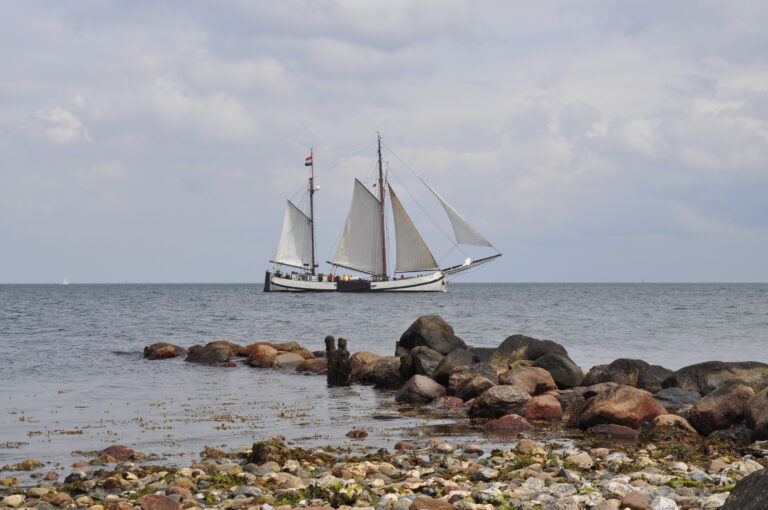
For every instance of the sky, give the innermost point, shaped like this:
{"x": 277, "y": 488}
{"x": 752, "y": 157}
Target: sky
{"x": 157, "y": 141}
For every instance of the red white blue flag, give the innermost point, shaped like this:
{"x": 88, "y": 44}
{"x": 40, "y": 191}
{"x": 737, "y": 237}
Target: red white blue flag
{"x": 308, "y": 161}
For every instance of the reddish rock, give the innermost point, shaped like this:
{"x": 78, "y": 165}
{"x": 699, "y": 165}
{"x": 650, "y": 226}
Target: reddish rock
{"x": 543, "y": 407}
{"x": 247, "y": 350}
{"x": 403, "y": 445}
{"x": 446, "y": 403}
{"x": 119, "y": 452}
{"x": 61, "y": 499}
{"x": 163, "y": 350}
{"x": 181, "y": 491}
{"x": 533, "y": 380}
{"x": 79, "y": 463}
{"x": 427, "y": 503}
{"x": 50, "y": 476}
{"x": 622, "y": 405}
{"x": 262, "y": 356}
{"x": 360, "y": 359}
{"x": 721, "y": 408}
{"x": 616, "y": 431}
{"x": 420, "y": 389}
{"x": 673, "y": 421}
{"x": 509, "y": 423}
{"x": 313, "y": 366}
{"x": 357, "y": 434}
{"x": 158, "y": 502}
{"x": 757, "y": 415}
{"x": 635, "y": 500}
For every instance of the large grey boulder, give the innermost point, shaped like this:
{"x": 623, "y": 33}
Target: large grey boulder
{"x": 456, "y": 359}
{"x": 676, "y": 400}
{"x": 474, "y": 387}
{"x": 431, "y": 331}
{"x": 533, "y": 380}
{"x": 621, "y": 405}
{"x": 385, "y": 372}
{"x": 214, "y": 352}
{"x": 420, "y": 361}
{"x": 420, "y": 389}
{"x": 621, "y": 371}
{"x": 653, "y": 379}
{"x": 757, "y": 415}
{"x": 498, "y": 401}
{"x": 564, "y": 371}
{"x": 750, "y": 493}
{"x": 708, "y": 376}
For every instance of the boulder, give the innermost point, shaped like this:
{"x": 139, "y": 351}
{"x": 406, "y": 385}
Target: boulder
{"x": 360, "y": 359}
{"x": 163, "y": 350}
{"x": 213, "y": 352}
{"x": 508, "y": 424}
{"x": 621, "y": 371}
{"x": 673, "y": 421}
{"x": 572, "y": 403}
{"x": 473, "y": 387}
{"x": 287, "y": 361}
{"x": 621, "y": 405}
{"x": 533, "y": 380}
{"x": 420, "y": 389}
{"x": 750, "y": 493}
{"x": 119, "y": 452}
{"x": 428, "y": 503}
{"x": 616, "y": 431}
{"x": 653, "y": 379}
{"x": 543, "y": 407}
{"x": 455, "y": 359}
{"x": 590, "y": 391}
{"x": 313, "y": 366}
{"x": 247, "y": 350}
{"x": 526, "y": 347}
{"x": 757, "y": 415}
{"x": 721, "y": 408}
{"x": 262, "y": 356}
{"x": 445, "y": 403}
{"x": 563, "y": 370}
{"x": 708, "y": 376}
{"x": 420, "y": 361}
{"x": 431, "y": 331}
{"x": 498, "y": 401}
{"x": 385, "y": 372}
{"x": 158, "y": 502}
{"x": 482, "y": 354}
{"x": 676, "y": 399}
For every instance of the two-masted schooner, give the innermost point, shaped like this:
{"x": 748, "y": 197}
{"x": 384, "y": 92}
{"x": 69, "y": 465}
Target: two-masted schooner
{"x": 363, "y": 246}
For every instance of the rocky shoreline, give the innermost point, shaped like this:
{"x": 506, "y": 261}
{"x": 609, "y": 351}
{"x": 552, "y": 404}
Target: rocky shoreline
{"x": 650, "y": 437}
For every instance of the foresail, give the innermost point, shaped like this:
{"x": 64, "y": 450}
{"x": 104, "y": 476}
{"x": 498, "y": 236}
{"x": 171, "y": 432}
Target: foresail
{"x": 412, "y": 253}
{"x": 295, "y": 246}
{"x": 462, "y": 230}
{"x": 360, "y": 245}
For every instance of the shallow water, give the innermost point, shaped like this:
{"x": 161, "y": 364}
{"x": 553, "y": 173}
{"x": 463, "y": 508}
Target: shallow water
{"x": 73, "y": 377}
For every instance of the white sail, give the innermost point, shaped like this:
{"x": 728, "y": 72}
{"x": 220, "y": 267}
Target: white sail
{"x": 412, "y": 252}
{"x": 462, "y": 230}
{"x": 360, "y": 245}
{"x": 295, "y": 247}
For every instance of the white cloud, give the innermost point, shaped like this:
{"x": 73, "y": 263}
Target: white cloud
{"x": 63, "y": 126}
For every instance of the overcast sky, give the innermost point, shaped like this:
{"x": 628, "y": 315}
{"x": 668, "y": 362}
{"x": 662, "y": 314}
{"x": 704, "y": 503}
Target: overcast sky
{"x": 589, "y": 141}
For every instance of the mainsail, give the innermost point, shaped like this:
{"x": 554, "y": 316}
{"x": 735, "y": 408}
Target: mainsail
{"x": 462, "y": 230}
{"x": 412, "y": 252}
{"x": 295, "y": 247}
{"x": 360, "y": 245}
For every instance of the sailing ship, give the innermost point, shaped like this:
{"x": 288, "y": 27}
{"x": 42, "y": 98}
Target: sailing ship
{"x": 363, "y": 246}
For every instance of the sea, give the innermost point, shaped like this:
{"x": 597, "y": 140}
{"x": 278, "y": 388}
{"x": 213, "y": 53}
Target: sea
{"x": 73, "y": 380}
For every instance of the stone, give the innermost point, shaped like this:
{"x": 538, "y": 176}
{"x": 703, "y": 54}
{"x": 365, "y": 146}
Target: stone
{"x": 119, "y": 452}
{"x": 508, "y": 423}
{"x": 528, "y": 348}
{"x": 430, "y": 331}
{"x": 453, "y": 360}
{"x": 287, "y": 361}
{"x": 420, "y": 389}
{"x": 213, "y": 352}
{"x": 446, "y": 403}
{"x": 61, "y": 499}
{"x": 474, "y": 387}
{"x": 247, "y": 350}
{"x": 635, "y": 500}
{"x": 14, "y": 500}
{"x": 51, "y": 476}
{"x": 662, "y": 503}
{"x": 163, "y": 350}
{"x": 420, "y": 361}
{"x": 653, "y": 378}
{"x": 158, "y": 502}
{"x": 428, "y": 503}
{"x": 543, "y": 407}
{"x": 533, "y": 380}
{"x": 313, "y": 366}
{"x": 403, "y": 445}
{"x": 708, "y": 376}
{"x": 562, "y": 369}
{"x": 581, "y": 460}
{"x": 498, "y": 401}
{"x": 616, "y": 431}
{"x": 385, "y": 373}
{"x": 622, "y": 405}
{"x": 262, "y": 356}
{"x": 721, "y": 408}
{"x": 756, "y": 415}
{"x": 673, "y": 421}
{"x": 268, "y": 451}
{"x": 674, "y": 399}
{"x": 360, "y": 359}
{"x": 621, "y": 371}
{"x": 357, "y": 434}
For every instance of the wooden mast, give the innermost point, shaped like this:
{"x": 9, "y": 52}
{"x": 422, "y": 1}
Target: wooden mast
{"x": 312, "y": 206}
{"x": 382, "y": 216}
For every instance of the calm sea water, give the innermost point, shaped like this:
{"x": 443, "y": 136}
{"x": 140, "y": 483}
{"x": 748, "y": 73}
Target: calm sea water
{"x": 72, "y": 376}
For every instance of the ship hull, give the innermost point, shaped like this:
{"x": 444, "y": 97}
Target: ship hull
{"x": 434, "y": 282}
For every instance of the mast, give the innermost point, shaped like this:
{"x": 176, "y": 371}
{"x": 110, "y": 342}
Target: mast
{"x": 382, "y": 217}
{"x": 312, "y": 206}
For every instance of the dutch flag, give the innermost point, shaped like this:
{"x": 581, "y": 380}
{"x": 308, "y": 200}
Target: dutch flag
{"x": 308, "y": 161}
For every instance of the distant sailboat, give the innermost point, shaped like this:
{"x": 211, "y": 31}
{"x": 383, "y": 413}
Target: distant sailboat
{"x": 363, "y": 246}
{"x": 65, "y": 282}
